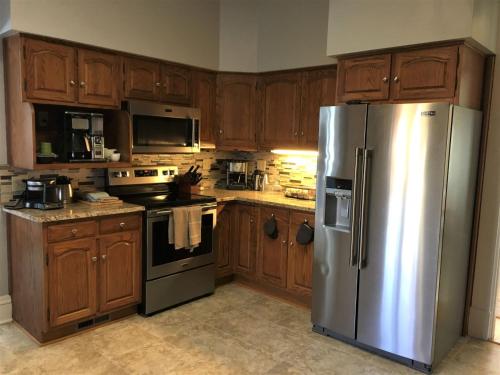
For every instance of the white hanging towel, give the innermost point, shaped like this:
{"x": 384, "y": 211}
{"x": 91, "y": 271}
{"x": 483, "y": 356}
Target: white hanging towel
{"x": 178, "y": 234}
{"x": 194, "y": 219}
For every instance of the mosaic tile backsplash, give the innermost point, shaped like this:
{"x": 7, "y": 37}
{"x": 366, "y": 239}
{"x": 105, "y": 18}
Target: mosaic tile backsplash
{"x": 282, "y": 170}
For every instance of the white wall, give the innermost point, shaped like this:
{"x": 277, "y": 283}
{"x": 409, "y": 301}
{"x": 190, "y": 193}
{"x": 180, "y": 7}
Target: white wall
{"x": 484, "y": 279}
{"x": 238, "y": 34}
{"x": 4, "y": 16}
{"x": 185, "y": 31}
{"x": 364, "y": 25}
{"x": 292, "y": 34}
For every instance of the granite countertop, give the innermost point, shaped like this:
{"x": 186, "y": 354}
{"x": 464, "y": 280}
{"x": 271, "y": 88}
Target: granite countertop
{"x": 271, "y": 198}
{"x": 72, "y": 211}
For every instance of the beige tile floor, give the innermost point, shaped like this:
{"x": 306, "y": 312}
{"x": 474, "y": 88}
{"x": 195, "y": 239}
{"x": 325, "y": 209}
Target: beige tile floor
{"x": 496, "y": 337}
{"x": 235, "y": 331}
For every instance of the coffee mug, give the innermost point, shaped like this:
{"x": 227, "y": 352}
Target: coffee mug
{"x": 45, "y": 148}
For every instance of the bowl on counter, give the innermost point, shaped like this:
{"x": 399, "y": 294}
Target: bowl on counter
{"x": 115, "y": 156}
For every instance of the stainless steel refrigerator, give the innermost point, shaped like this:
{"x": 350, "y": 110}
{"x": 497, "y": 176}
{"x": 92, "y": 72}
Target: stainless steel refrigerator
{"x": 394, "y": 209}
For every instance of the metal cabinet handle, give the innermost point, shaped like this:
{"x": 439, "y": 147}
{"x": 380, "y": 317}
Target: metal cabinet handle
{"x": 82, "y": 84}
{"x": 103, "y": 256}
{"x": 94, "y": 259}
{"x": 251, "y": 221}
{"x": 122, "y": 225}
{"x": 296, "y": 133}
{"x": 74, "y": 231}
{"x": 221, "y": 131}
{"x": 396, "y": 79}
{"x": 72, "y": 83}
{"x": 291, "y": 243}
{"x": 385, "y": 79}
{"x": 302, "y": 133}
{"x": 364, "y": 210}
{"x": 158, "y": 84}
{"x": 353, "y": 259}
{"x": 283, "y": 242}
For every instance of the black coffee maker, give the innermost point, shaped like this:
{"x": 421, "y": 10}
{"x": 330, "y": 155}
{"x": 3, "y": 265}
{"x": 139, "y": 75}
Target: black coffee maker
{"x": 41, "y": 193}
{"x": 77, "y": 136}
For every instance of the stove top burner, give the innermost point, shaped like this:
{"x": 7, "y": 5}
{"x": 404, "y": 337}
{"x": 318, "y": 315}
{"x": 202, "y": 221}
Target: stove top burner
{"x": 168, "y": 200}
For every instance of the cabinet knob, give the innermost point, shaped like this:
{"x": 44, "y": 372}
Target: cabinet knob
{"x": 94, "y": 259}
{"x": 385, "y": 79}
{"x": 122, "y": 225}
{"x": 74, "y": 231}
{"x": 72, "y": 83}
{"x": 291, "y": 243}
{"x": 302, "y": 133}
{"x": 157, "y": 84}
{"x": 103, "y": 256}
{"x": 296, "y": 133}
{"x": 396, "y": 79}
{"x": 251, "y": 221}
{"x": 283, "y": 242}
{"x": 82, "y": 83}
{"x": 220, "y": 131}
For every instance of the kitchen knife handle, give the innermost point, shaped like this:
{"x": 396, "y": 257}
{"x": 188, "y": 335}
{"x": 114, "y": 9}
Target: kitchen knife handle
{"x": 364, "y": 209}
{"x": 353, "y": 259}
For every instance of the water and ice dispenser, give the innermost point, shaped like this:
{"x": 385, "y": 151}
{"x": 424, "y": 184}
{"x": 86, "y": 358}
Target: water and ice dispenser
{"x": 338, "y": 203}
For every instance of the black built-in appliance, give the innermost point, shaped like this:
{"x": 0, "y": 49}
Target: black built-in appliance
{"x": 169, "y": 276}
{"x": 83, "y": 136}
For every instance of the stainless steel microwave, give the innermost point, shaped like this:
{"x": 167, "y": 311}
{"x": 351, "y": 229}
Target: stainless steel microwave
{"x": 162, "y": 128}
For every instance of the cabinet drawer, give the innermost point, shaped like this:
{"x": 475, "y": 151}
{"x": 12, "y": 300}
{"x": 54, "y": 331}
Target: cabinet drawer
{"x": 63, "y": 232}
{"x": 119, "y": 224}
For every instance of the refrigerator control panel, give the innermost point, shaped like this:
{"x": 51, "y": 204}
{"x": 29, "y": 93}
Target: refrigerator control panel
{"x": 338, "y": 203}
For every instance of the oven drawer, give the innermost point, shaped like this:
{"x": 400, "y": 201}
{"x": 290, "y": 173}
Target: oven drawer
{"x": 119, "y": 224}
{"x": 63, "y": 232}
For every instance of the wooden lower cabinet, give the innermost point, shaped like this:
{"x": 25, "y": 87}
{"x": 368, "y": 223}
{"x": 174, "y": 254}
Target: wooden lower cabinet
{"x": 61, "y": 286}
{"x": 246, "y": 219}
{"x": 119, "y": 270}
{"x": 223, "y": 241}
{"x": 300, "y": 257}
{"x": 272, "y": 252}
{"x": 72, "y": 269}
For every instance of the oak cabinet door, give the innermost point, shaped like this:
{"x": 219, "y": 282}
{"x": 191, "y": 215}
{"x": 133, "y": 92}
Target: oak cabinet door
{"x": 424, "y": 74}
{"x": 246, "y": 220}
{"x": 50, "y": 71}
{"x": 272, "y": 252}
{"x": 236, "y": 108}
{"x": 176, "y": 84}
{"x": 72, "y": 280}
{"x": 99, "y": 77}
{"x": 364, "y": 78}
{"x": 204, "y": 96}
{"x": 318, "y": 89}
{"x": 119, "y": 270}
{"x": 280, "y": 105}
{"x": 300, "y": 257}
{"x": 223, "y": 241}
{"x": 142, "y": 79}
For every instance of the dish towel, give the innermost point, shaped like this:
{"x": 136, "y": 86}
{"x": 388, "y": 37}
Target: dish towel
{"x": 194, "y": 219}
{"x": 178, "y": 228}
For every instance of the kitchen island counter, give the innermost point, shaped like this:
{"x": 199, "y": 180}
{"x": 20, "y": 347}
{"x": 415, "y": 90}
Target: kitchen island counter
{"x": 72, "y": 212}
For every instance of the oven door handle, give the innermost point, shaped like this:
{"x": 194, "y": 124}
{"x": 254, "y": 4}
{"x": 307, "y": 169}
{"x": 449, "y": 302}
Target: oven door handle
{"x": 169, "y": 212}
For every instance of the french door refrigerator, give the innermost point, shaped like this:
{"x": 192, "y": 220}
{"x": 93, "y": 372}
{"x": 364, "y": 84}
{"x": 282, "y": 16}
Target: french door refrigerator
{"x": 394, "y": 209}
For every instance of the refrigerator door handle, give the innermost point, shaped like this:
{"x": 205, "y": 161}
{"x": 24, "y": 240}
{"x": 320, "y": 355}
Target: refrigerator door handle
{"x": 364, "y": 209}
{"x": 353, "y": 260}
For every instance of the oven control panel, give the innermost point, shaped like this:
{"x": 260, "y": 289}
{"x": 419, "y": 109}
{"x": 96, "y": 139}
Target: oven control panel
{"x": 141, "y": 175}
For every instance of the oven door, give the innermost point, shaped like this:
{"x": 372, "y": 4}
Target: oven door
{"x": 160, "y": 128}
{"x": 163, "y": 259}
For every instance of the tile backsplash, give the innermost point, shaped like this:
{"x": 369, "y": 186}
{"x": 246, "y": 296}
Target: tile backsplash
{"x": 282, "y": 170}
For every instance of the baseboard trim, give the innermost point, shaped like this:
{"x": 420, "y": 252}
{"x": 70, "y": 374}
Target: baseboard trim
{"x": 5, "y": 309}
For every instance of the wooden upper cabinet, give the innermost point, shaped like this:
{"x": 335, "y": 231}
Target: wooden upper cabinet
{"x": 364, "y": 78}
{"x": 49, "y": 71}
{"x": 272, "y": 256}
{"x": 300, "y": 257}
{"x": 119, "y": 270}
{"x": 141, "y": 79}
{"x": 72, "y": 280}
{"x": 204, "y": 97}
{"x": 236, "y": 106}
{"x": 223, "y": 241}
{"x": 176, "y": 84}
{"x": 99, "y": 78}
{"x": 246, "y": 220}
{"x": 424, "y": 74}
{"x": 280, "y": 106}
{"x": 318, "y": 89}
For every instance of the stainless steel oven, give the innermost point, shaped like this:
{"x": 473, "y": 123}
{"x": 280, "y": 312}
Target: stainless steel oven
{"x": 162, "y": 259}
{"x": 162, "y": 128}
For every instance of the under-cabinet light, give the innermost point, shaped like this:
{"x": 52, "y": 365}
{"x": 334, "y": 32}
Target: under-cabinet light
{"x": 295, "y": 152}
